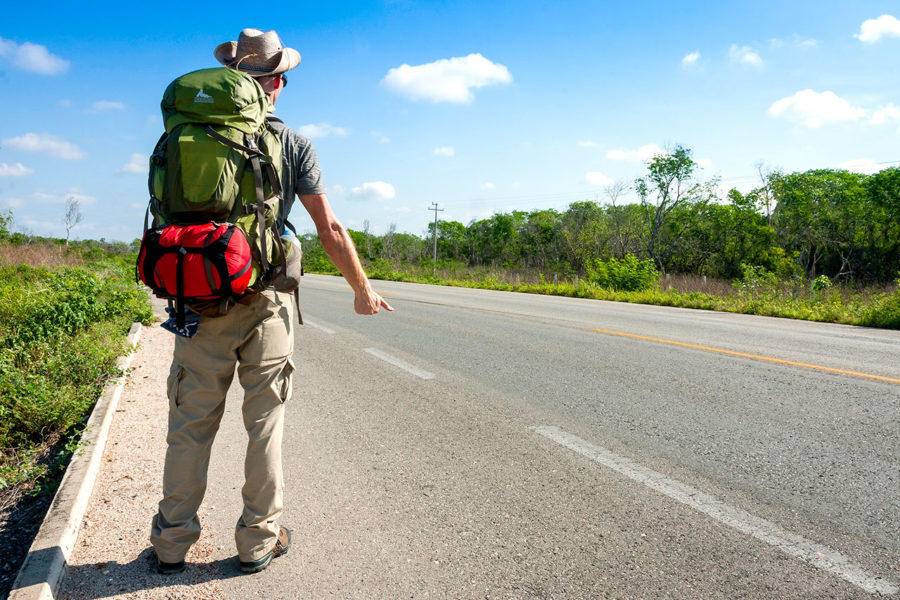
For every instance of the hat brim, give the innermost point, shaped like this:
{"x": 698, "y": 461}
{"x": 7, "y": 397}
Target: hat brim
{"x": 226, "y": 54}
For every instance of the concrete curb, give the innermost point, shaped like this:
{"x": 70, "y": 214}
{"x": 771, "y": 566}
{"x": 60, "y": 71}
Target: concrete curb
{"x": 45, "y": 565}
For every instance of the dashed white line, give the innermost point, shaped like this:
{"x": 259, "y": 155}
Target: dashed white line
{"x": 318, "y": 326}
{"x": 790, "y": 543}
{"x": 388, "y": 358}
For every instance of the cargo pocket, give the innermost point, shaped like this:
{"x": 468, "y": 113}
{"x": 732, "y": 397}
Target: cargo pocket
{"x": 274, "y": 339}
{"x": 176, "y": 375}
{"x": 287, "y": 380}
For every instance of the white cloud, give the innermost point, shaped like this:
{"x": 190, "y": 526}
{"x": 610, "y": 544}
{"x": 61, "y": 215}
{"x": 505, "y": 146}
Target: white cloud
{"x": 597, "y": 179}
{"x": 587, "y": 144}
{"x": 14, "y": 170}
{"x": 745, "y": 55}
{"x": 446, "y": 80}
{"x": 374, "y": 190}
{"x": 645, "y": 152}
{"x": 47, "y": 144}
{"x": 691, "y": 59}
{"x": 61, "y": 198}
{"x": 866, "y": 166}
{"x": 873, "y": 30}
{"x": 11, "y": 202}
{"x": 31, "y": 57}
{"x": 338, "y": 189}
{"x": 323, "y": 130}
{"x": 138, "y": 163}
{"x": 400, "y": 210}
{"x": 885, "y": 114}
{"x": 813, "y": 109}
{"x": 488, "y": 186}
{"x": 105, "y": 105}
{"x": 381, "y": 138}
{"x": 445, "y": 151}
{"x": 797, "y": 41}
{"x": 704, "y": 163}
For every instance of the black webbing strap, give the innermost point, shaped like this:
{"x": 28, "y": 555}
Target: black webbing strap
{"x": 297, "y": 304}
{"x": 241, "y": 273}
{"x": 208, "y": 267}
{"x": 147, "y": 218}
{"x": 272, "y": 176}
{"x": 258, "y": 165}
{"x": 179, "y": 289}
{"x": 260, "y": 212}
{"x": 229, "y": 142}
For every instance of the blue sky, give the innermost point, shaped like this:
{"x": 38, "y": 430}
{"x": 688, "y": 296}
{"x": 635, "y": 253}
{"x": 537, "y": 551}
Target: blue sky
{"x": 503, "y": 105}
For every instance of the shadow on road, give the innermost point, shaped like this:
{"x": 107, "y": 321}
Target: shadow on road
{"x": 110, "y": 579}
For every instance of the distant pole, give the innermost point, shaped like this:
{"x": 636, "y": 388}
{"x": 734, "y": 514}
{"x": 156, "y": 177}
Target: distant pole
{"x": 434, "y": 207}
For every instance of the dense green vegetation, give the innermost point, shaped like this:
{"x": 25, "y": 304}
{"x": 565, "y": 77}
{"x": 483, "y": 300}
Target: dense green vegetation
{"x": 64, "y": 312}
{"x": 820, "y": 245}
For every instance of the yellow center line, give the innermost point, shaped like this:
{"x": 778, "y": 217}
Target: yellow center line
{"x": 750, "y": 356}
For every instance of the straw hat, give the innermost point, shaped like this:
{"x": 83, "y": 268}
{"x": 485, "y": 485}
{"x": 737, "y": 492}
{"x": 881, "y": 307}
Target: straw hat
{"x": 257, "y": 53}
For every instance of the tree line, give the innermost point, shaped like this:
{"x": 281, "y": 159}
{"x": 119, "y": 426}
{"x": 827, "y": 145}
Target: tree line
{"x": 821, "y": 222}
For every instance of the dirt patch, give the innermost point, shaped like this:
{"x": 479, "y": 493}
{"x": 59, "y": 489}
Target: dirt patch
{"x": 22, "y": 511}
{"x": 18, "y": 525}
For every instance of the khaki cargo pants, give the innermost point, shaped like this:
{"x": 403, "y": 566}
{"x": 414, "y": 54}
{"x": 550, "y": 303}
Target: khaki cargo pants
{"x": 258, "y": 337}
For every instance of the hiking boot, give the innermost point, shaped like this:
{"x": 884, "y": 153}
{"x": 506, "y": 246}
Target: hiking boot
{"x": 282, "y": 544}
{"x": 164, "y": 568}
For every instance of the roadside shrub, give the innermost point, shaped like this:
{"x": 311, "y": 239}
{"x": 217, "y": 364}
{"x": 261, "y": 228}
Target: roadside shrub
{"x": 821, "y": 283}
{"x": 628, "y": 274}
{"x": 315, "y": 260}
{"x": 61, "y": 330}
{"x": 755, "y": 277}
{"x": 883, "y": 312}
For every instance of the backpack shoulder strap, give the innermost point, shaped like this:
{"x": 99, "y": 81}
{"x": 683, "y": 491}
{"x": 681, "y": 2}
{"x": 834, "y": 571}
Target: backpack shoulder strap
{"x": 236, "y": 145}
{"x": 275, "y": 123}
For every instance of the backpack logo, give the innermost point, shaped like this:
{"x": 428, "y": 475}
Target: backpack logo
{"x": 203, "y": 98}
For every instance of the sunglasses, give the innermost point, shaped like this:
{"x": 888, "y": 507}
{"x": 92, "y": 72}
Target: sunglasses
{"x": 282, "y": 76}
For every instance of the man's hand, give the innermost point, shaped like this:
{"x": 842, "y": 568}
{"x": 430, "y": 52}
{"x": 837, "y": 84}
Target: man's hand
{"x": 369, "y": 302}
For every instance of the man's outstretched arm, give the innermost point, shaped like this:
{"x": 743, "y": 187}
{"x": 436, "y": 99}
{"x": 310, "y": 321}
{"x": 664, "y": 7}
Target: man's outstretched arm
{"x": 339, "y": 247}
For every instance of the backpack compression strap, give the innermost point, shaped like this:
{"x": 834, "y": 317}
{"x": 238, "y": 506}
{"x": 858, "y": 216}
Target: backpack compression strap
{"x": 254, "y": 154}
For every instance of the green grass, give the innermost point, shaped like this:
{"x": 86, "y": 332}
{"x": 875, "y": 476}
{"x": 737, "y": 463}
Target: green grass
{"x": 871, "y": 308}
{"x": 61, "y": 331}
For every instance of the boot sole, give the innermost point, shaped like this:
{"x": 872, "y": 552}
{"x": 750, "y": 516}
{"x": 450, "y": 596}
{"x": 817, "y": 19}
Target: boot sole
{"x": 257, "y": 566}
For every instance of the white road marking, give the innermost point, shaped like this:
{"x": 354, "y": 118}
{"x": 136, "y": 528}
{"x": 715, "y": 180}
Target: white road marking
{"x": 388, "y": 358}
{"x": 318, "y": 326}
{"x": 792, "y": 544}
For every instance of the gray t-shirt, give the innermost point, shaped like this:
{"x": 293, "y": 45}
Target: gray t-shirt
{"x": 300, "y": 174}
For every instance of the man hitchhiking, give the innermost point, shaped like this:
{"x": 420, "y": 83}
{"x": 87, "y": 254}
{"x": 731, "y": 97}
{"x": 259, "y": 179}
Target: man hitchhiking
{"x": 222, "y": 181}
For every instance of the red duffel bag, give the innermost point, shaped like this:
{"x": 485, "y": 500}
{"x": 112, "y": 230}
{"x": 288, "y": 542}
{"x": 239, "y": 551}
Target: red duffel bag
{"x": 208, "y": 261}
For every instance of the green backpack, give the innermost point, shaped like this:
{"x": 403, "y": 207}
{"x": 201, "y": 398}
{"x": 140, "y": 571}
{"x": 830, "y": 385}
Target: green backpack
{"x": 219, "y": 160}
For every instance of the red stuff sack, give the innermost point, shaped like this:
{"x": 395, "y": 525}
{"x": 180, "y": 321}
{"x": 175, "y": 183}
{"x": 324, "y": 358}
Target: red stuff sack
{"x": 208, "y": 261}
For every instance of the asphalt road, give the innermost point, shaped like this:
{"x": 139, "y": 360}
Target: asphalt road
{"x": 480, "y": 444}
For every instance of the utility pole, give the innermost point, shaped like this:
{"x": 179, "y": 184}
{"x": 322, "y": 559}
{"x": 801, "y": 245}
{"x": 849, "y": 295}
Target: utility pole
{"x": 436, "y": 210}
